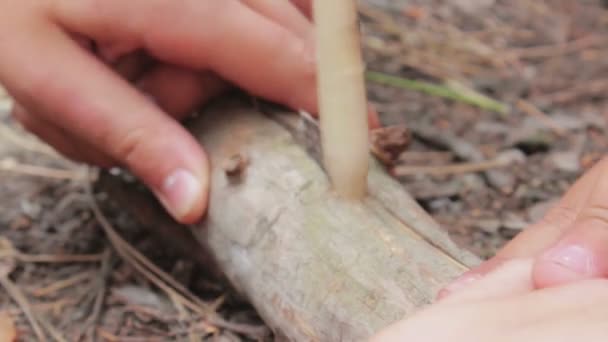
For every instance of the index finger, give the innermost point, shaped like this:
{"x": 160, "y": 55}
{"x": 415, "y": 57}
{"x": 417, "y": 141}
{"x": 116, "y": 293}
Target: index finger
{"x": 231, "y": 39}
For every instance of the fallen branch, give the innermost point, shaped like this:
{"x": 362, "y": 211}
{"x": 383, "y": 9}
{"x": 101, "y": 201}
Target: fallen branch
{"x": 315, "y": 267}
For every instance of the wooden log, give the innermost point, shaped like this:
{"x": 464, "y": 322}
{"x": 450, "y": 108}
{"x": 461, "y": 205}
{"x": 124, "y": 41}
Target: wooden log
{"x": 316, "y": 268}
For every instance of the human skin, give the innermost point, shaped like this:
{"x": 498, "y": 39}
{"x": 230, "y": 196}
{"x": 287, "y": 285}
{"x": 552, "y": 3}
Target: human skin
{"x": 84, "y": 72}
{"x": 569, "y": 244}
{"x": 505, "y": 306}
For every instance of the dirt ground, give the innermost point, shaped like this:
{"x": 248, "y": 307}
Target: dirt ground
{"x": 485, "y": 175}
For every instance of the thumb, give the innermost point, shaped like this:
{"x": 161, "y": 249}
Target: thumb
{"x": 582, "y": 252}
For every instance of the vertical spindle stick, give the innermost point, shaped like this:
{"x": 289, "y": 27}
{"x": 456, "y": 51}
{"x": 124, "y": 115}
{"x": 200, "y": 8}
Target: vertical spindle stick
{"x": 342, "y": 97}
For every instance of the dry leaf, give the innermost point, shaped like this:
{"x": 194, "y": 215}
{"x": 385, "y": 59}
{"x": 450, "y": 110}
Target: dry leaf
{"x": 387, "y": 143}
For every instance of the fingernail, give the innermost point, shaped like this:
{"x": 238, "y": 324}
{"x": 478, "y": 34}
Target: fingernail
{"x": 180, "y": 192}
{"x": 458, "y": 284}
{"x": 575, "y": 258}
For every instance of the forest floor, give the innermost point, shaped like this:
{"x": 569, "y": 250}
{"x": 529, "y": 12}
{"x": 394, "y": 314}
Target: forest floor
{"x": 485, "y": 172}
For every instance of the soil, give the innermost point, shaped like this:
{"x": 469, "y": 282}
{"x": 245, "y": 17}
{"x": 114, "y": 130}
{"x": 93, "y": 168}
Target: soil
{"x": 543, "y": 59}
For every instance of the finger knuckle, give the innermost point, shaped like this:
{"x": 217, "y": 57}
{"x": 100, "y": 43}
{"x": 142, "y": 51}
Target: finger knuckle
{"x": 306, "y": 77}
{"x": 164, "y": 14}
{"x": 129, "y": 146}
{"x": 596, "y": 212}
{"x": 559, "y": 215}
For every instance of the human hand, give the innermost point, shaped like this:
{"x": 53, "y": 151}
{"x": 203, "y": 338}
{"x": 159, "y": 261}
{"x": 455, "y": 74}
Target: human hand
{"x": 83, "y": 73}
{"x": 504, "y": 306}
{"x": 569, "y": 244}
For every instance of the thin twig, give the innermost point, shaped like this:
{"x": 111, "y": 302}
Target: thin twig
{"x": 245, "y": 329}
{"x": 160, "y": 278}
{"x": 108, "y": 336}
{"x": 532, "y": 110}
{"x": 49, "y": 258}
{"x": 445, "y": 170}
{"x": 55, "y": 306}
{"x": 12, "y": 166}
{"x": 102, "y": 289}
{"x": 55, "y": 334}
{"x": 24, "y": 304}
{"x": 148, "y": 311}
{"x": 183, "y": 317}
{"x": 587, "y": 88}
{"x": 8, "y": 250}
{"x": 59, "y": 259}
{"x": 199, "y": 304}
{"x": 544, "y": 51}
{"x": 62, "y": 284}
{"x": 157, "y": 276}
{"x": 142, "y": 264}
{"x": 98, "y": 291}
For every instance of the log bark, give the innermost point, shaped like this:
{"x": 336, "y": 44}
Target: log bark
{"x": 317, "y": 268}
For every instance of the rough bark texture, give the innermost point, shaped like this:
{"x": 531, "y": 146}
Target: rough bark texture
{"x": 315, "y": 267}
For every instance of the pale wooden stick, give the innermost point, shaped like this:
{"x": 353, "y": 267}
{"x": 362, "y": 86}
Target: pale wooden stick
{"x": 342, "y": 97}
